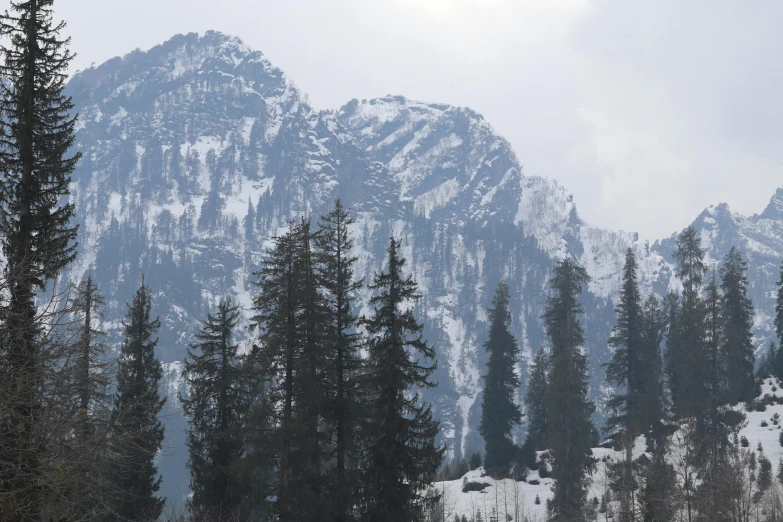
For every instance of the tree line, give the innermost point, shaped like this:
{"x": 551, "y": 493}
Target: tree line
{"x": 301, "y": 427}
{"x": 678, "y": 366}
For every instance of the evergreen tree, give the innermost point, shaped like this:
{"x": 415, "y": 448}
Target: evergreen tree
{"x": 567, "y": 404}
{"x": 707, "y": 426}
{"x": 689, "y": 385}
{"x": 215, "y": 406}
{"x": 779, "y": 308}
{"x": 715, "y": 421}
{"x": 92, "y": 368}
{"x": 652, "y": 400}
{"x": 36, "y": 133}
{"x": 93, "y": 402}
{"x": 673, "y": 353}
{"x": 767, "y": 362}
{"x": 737, "y": 350}
{"x": 250, "y": 222}
{"x": 660, "y": 488}
{"x": 343, "y": 342}
{"x": 499, "y": 412}
{"x": 625, "y": 370}
{"x": 289, "y": 312}
{"x": 535, "y": 402}
{"x": 313, "y": 387}
{"x": 401, "y": 456}
{"x": 137, "y": 432}
{"x": 777, "y": 366}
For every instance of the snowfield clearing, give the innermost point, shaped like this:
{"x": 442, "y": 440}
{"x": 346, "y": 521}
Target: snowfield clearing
{"x": 510, "y": 500}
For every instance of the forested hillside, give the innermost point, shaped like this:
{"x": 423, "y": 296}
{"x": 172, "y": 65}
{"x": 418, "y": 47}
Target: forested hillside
{"x": 382, "y": 271}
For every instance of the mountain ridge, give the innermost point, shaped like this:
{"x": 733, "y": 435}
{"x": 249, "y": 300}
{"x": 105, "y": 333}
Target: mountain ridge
{"x": 180, "y": 141}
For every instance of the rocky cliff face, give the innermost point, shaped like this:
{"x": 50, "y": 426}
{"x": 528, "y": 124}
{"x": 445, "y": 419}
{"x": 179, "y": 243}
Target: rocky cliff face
{"x": 198, "y": 151}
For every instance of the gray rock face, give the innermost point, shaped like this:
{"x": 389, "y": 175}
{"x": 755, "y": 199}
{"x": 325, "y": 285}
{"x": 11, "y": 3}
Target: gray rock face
{"x": 181, "y": 140}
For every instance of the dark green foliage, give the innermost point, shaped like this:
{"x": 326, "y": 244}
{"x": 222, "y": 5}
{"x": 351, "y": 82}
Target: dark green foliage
{"x": 344, "y": 405}
{"x": 714, "y": 330}
{"x": 475, "y": 486}
{"x": 567, "y": 404}
{"x": 636, "y": 369}
{"x": 250, "y": 222}
{"x": 535, "y": 402}
{"x": 764, "y": 478}
{"x": 737, "y": 350}
{"x": 137, "y": 432}
{"x": 499, "y": 412}
{"x": 777, "y": 366}
{"x": 401, "y": 454}
{"x": 475, "y": 460}
{"x": 93, "y": 370}
{"x": 779, "y": 307}
{"x": 659, "y": 490}
{"x": 767, "y": 362}
{"x": 36, "y": 133}
{"x": 215, "y": 407}
{"x": 92, "y": 374}
{"x": 686, "y": 350}
{"x": 626, "y": 370}
{"x": 290, "y": 351}
{"x": 651, "y": 397}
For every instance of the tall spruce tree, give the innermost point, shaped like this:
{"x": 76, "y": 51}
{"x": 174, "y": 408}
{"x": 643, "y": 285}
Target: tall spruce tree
{"x": 313, "y": 390}
{"x": 737, "y": 349}
{"x": 137, "y": 431}
{"x": 92, "y": 372}
{"x": 499, "y": 411}
{"x": 707, "y": 426}
{"x": 672, "y": 354}
{"x": 535, "y": 402}
{"x": 660, "y": 482}
{"x": 289, "y": 312}
{"x": 779, "y": 308}
{"x": 401, "y": 456}
{"x": 626, "y": 370}
{"x": 250, "y": 222}
{"x": 216, "y": 409}
{"x": 777, "y": 364}
{"x": 689, "y": 378}
{"x": 716, "y": 421}
{"x": 36, "y": 133}
{"x": 767, "y": 361}
{"x": 568, "y": 407}
{"x": 652, "y": 398}
{"x": 343, "y": 409}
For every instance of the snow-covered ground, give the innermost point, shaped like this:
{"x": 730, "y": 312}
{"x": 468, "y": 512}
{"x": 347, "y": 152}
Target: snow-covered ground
{"x": 517, "y": 500}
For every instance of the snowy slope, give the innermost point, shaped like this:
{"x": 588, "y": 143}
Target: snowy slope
{"x": 517, "y": 499}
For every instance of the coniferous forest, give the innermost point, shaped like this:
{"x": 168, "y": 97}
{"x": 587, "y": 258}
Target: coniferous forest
{"x": 320, "y": 398}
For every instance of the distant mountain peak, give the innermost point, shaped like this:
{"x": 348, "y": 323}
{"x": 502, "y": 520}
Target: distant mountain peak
{"x": 774, "y": 209}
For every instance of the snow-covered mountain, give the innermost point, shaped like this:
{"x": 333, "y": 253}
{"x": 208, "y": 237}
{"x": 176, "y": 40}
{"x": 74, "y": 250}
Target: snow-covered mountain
{"x": 198, "y": 151}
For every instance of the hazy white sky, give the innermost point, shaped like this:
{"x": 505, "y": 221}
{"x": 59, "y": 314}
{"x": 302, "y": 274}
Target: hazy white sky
{"x": 646, "y": 111}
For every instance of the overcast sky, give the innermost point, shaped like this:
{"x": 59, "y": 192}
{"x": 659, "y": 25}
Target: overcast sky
{"x": 646, "y": 111}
